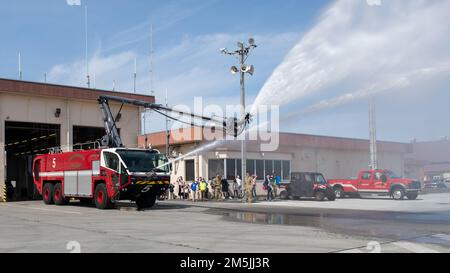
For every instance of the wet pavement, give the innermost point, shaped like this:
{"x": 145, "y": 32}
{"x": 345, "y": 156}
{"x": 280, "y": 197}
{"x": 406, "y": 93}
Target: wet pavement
{"x": 281, "y": 227}
{"x": 395, "y": 226}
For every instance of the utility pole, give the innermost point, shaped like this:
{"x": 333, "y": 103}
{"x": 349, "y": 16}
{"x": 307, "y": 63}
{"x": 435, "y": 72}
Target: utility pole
{"x": 152, "y": 91}
{"x": 167, "y": 128}
{"x": 86, "y": 46}
{"x": 20, "y": 66}
{"x": 243, "y": 52}
{"x": 135, "y": 75}
{"x": 373, "y": 135}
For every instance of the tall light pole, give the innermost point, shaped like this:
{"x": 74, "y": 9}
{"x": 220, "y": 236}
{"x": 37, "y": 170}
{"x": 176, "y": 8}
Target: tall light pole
{"x": 243, "y": 52}
{"x": 373, "y": 135}
{"x": 167, "y": 127}
{"x": 88, "y": 77}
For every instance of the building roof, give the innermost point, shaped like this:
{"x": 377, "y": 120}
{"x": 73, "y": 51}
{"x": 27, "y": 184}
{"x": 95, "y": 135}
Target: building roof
{"x": 62, "y": 91}
{"x": 287, "y": 140}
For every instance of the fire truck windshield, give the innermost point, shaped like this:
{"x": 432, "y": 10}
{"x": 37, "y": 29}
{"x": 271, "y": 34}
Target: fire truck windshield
{"x": 144, "y": 161}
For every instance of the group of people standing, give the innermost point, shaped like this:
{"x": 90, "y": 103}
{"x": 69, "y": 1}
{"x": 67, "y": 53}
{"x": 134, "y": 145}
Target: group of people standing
{"x": 197, "y": 190}
{"x": 271, "y": 185}
{"x": 219, "y": 188}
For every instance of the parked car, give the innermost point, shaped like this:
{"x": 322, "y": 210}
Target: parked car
{"x": 435, "y": 184}
{"x": 308, "y": 185}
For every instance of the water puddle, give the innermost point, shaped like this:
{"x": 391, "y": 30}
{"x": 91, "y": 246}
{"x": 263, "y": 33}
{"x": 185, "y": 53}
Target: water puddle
{"x": 352, "y": 223}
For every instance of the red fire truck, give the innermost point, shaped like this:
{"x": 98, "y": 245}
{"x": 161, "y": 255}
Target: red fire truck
{"x": 102, "y": 175}
{"x": 111, "y": 172}
{"x": 379, "y": 182}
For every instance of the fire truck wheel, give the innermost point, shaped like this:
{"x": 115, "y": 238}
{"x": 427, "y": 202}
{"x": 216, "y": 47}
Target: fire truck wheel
{"x": 284, "y": 195}
{"x": 101, "y": 197}
{"x": 331, "y": 196}
{"x": 398, "y": 193}
{"x": 58, "y": 196}
{"x": 320, "y": 196}
{"x": 412, "y": 195}
{"x": 146, "y": 202}
{"x": 47, "y": 193}
{"x": 339, "y": 192}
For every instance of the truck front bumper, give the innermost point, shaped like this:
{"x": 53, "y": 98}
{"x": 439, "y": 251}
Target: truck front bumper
{"x": 137, "y": 189}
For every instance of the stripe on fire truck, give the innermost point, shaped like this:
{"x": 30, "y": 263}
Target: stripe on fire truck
{"x": 152, "y": 183}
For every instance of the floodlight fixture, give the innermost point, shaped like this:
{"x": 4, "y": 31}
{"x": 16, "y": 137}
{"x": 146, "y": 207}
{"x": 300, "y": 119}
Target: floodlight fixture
{"x": 234, "y": 70}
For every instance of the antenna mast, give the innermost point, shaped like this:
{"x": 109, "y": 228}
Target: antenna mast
{"x": 20, "y": 66}
{"x": 86, "y": 40}
{"x": 152, "y": 91}
{"x": 135, "y": 74}
{"x": 373, "y": 135}
{"x": 167, "y": 127}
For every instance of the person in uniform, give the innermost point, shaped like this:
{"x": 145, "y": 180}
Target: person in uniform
{"x": 218, "y": 188}
{"x": 249, "y": 188}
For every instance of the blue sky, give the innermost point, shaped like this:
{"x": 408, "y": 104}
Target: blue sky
{"x": 188, "y": 33}
{"x": 49, "y": 32}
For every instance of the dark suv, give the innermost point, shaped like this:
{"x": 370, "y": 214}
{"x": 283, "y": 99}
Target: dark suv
{"x": 308, "y": 185}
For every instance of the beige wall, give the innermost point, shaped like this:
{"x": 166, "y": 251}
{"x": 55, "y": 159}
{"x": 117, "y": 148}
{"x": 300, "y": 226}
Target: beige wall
{"x": 73, "y": 113}
{"x": 342, "y": 163}
{"x": 332, "y": 163}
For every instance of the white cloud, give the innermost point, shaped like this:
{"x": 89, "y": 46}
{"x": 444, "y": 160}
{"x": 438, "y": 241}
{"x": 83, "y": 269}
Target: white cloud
{"x": 74, "y": 2}
{"x": 193, "y": 67}
{"x": 105, "y": 69}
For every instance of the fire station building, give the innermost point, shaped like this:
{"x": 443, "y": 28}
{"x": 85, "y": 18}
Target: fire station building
{"x": 36, "y": 117}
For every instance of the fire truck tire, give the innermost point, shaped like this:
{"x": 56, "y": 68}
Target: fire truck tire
{"x": 101, "y": 198}
{"x": 339, "y": 192}
{"x": 398, "y": 193}
{"x": 58, "y": 196}
{"x": 47, "y": 194}
{"x": 320, "y": 196}
{"x": 146, "y": 202}
{"x": 284, "y": 195}
{"x": 331, "y": 196}
{"x": 412, "y": 195}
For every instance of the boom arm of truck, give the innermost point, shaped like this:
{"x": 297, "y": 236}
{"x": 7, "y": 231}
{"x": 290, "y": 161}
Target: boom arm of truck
{"x": 231, "y": 126}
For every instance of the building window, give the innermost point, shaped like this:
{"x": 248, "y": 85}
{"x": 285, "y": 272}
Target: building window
{"x": 251, "y": 167}
{"x": 216, "y": 167}
{"x": 190, "y": 170}
{"x": 286, "y": 170}
{"x": 277, "y": 167}
{"x": 268, "y": 167}
{"x": 260, "y": 169}
{"x": 231, "y": 169}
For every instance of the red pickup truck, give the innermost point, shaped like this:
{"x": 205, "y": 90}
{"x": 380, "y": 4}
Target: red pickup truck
{"x": 380, "y": 182}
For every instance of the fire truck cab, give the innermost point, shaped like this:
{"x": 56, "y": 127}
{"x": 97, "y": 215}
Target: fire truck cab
{"x": 102, "y": 176}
